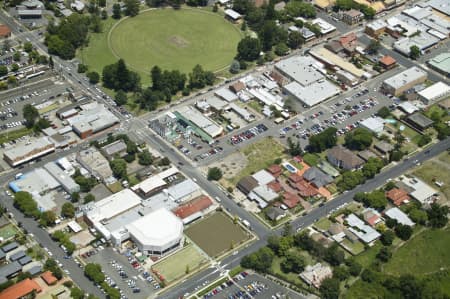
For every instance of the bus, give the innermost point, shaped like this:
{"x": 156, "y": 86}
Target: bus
{"x": 35, "y": 74}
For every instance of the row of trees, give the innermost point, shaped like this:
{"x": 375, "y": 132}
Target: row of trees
{"x": 369, "y": 12}
{"x": 64, "y": 239}
{"x": 94, "y": 273}
{"x": 28, "y": 206}
{"x": 351, "y": 179}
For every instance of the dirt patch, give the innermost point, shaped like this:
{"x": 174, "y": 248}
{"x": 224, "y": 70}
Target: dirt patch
{"x": 178, "y": 41}
{"x": 232, "y": 165}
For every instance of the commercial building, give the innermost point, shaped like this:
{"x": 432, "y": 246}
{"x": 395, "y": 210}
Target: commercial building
{"x": 387, "y": 62}
{"x": 375, "y": 28}
{"x": 373, "y": 124}
{"x": 324, "y": 26}
{"x": 156, "y": 233}
{"x": 92, "y": 160}
{"x": 198, "y": 123}
{"x": 302, "y": 69}
{"x": 352, "y": 16}
{"x": 440, "y": 6}
{"x": 154, "y": 183}
{"x": 312, "y": 94}
{"x": 346, "y": 78}
{"x": 92, "y": 119}
{"x": 363, "y": 231}
{"x": 434, "y": 93}
{"x": 193, "y": 209}
{"x": 226, "y": 94}
{"x": 423, "y": 41}
{"x": 335, "y": 62}
{"x": 403, "y": 81}
{"x": 63, "y": 178}
{"x": 26, "y": 152}
{"x": 441, "y": 63}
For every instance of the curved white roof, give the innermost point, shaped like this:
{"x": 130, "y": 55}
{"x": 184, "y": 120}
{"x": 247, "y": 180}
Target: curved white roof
{"x": 157, "y": 228}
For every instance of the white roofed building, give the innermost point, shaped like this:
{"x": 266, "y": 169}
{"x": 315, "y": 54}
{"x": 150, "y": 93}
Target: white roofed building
{"x": 434, "y": 93}
{"x": 373, "y": 124}
{"x": 28, "y": 151}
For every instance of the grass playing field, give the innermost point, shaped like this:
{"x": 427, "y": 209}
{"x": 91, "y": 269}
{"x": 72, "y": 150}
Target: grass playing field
{"x": 174, "y": 266}
{"x": 216, "y": 234}
{"x": 175, "y": 39}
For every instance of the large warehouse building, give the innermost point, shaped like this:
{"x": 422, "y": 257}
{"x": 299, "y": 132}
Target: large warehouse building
{"x": 29, "y": 151}
{"x": 198, "y": 123}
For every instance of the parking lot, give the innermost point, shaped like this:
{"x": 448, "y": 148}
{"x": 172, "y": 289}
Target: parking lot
{"x": 248, "y": 286}
{"x": 123, "y": 275}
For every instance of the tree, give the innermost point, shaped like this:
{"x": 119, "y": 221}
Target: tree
{"x": 94, "y": 77}
{"x": 82, "y": 68}
{"x": 119, "y": 168}
{"x": 384, "y": 254}
{"x": 30, "y": 113}
{"x": 145, "y": 158}
{"x": 323, "y": 140}
{"x": 376, "y": 199}
{"x": 293, "y": 262}
{"x": 294, "y": 148}
{"x": 387, "y": 237}
{"x": 76, "y": 293}
{"x": 341, "y": 273}
{"x": 414, "y": 52}
{"x": 47, "y": 218}
{"x": 116, "y": 76}
{"x": 295, "y": 40}
{"x": 235, "y": 67}
{"x": 16, "y": 56}
{"x": 437, "y": 215}
{"x": 89, "y": 197}
{"x": 260, "y": 260}
{"x": 75, "y": 196}
{"x": 199, "y": 78}
{"x": 117, "y": 11}
{"x": 334, "y": 256}
{"x": 373, "y": 47}
{"x": 26, "y": 204}
{"x": 68, "y": 210}
{"x": 249, "y": 48}
{"x": 354, "y": 268}
{"x": 131, "y": 8}
{"x": 329, "y": 288}
{"x": 14, "y": 67}
{"x": 372, "y": 167}
{"x": 27, "y": 47}
{"x": 424, "y": 140}
{"x": 404, "y": 232}
{"x": 94, "y": 273}
{"x": 281, "y": 49}
{"x": 214, "y": 174}
{"x": 384, "y": 112}
{"x": 358, "y": 139}
{"x": 121, "y": 98}
{"x": 350, "y": 179}
{"x": 3, "y": 70}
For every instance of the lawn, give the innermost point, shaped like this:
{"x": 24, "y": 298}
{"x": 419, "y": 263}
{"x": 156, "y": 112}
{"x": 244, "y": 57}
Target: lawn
{"x": 367, "y": 258}
{"x": 259, "y": 155}
{"x": 174, "y": 266}
{"x": 175, "y": 40}
{"x": 311, "y": 159}
{"x": 8, "y": 231}
{"x": 216, "y": 234}
{"x": 115, "y": 187}
{"x": 431, "y": 171}
{"x": 323, "y": 224}
{"x": 12, "y": 135}
{"x": 355, "y": 248}
{"x": 49, "y": 108}
{"x": 425, "y": 253}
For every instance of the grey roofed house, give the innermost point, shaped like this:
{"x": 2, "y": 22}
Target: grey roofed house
{"x": 9, "y": 270}
{"x": 247, "y": 184}
{"x": 419, "y": 121}
{"x": 25, "y": 260}
{"x": 10, "y": 246}
{"x": 334, "y": 46}
{"x": 366, "y": 154}
{"x": 35, "y": 270}
{"x": 384, "y": 147}
{"x": 343, "y": 158}
{"x": 275, "y": 213}
{"x": 18, "y": 255}
{"x": 117, "y": 147}
{"x": 317, "y": 177}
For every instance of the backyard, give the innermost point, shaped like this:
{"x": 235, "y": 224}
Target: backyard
{"x": 430, "y": 172}
{"x": 216, "y": 234}
{"x": 182, "y": 262}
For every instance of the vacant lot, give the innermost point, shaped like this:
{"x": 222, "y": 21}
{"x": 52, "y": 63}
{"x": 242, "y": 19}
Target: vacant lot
{"x": 216, "y": 234}
{"x": 426, "y": 253}
{"x": 259, "y": 155}
{"x": 175, "y": 40}
{"x": 432, "y": 171}
{"x": 177, "y": 265}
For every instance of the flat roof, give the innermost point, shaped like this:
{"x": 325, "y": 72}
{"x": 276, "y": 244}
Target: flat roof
{"x": 157, "y": 228}
{"x": 440, "y": 5}
{"x": 405, "y": 77}
{"x": 34, "y": 182}
{"x": 263, "y": 177}
{"x": 226, "y": 94}
{"x": 35, "y": 145}
{"x": 435, "y": 91}
{"x": 183, "y": 189}
{"x": 314, "y": 93}
{"x": 375, "y": 124}
{"x": 115, "y": 147}
{"x": 301, "y": 69}
{"x": 441, "y": 62}
{"x": 113, "y": 205}
{"x": 62, "y": 177}
{"x": 94, "y": 117}
{"x": 201, "y": 121}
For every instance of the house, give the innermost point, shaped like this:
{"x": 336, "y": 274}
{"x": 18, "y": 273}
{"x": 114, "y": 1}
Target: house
{"x": 49, "y": 278}
{"x": 364, "y": 232}
{"x": 371, "y": 216}
{"x": 397, "y": 196}
{"x": 422, "y": 192}
{"x": 247, "y": 184}
{"x": 263, "y": 192}
{"x": 237, "y": 86}
{"x": 352, "y": 16}
{"x": 305, "y": 189}
{"x": 275, "y": 186}
{"x": 328, "y": 169}
{"x": 419, "y": 121}
{"x": 21, "y": 289}
{"x": 317, "y": 178}
{"x": 366, "y": 155}
{"x": 118, "y": 148}
{"x": 290, "y": 200}
{"x": 344, "y": 158}
{"x": 399, "y": 216}
{"x": 349, "y": 42}
{"x": 314, "y": 275}
{"x": 383, "y": 147}
{"x": 275, "y": 170}
{"x": 275, "y": 213}
{"x": 5, "y": 32}
{"x": 263, "y": 177}
{"x": 387, "y": 62}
